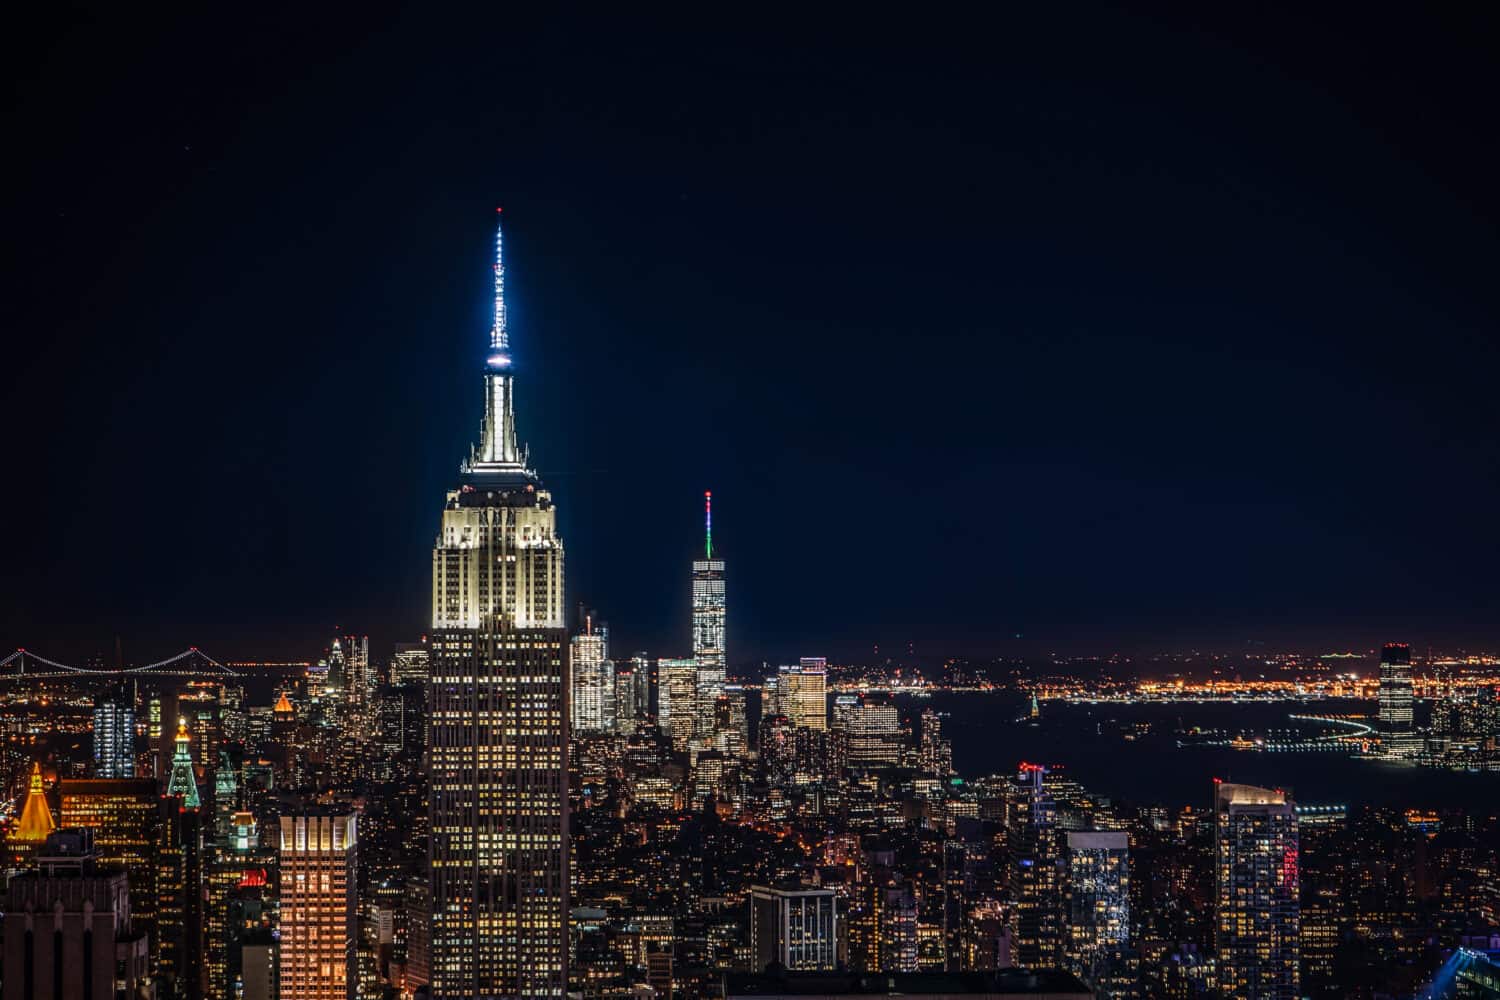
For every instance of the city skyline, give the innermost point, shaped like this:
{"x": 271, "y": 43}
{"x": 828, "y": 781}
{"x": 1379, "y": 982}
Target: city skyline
{"x": 1102, "y": 606}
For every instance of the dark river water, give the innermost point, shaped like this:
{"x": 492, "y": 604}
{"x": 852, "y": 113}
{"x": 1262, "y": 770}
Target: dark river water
{"x": 1086, "y": 741}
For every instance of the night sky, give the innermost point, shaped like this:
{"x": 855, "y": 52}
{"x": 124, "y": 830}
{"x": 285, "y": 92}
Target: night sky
{"x": 1103, "y": 331}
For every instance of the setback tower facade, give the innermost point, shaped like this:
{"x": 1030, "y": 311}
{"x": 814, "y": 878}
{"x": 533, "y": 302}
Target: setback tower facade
{"x": 498, "y": 704}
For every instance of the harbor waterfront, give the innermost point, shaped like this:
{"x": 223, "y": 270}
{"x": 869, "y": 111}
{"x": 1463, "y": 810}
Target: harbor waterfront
{"x": 1131, "y": 752}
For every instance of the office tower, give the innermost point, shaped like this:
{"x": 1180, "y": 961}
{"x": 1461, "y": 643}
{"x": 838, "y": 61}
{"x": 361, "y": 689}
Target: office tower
{"x": 802, "y": 693}
{"x": 226, "y": 797}
{"x": 626, "y": 706}
{"x": 181, "y": 780}
{"x": 874, "y": 728}
{"x": 677, "y": 691}
{"x": 1257, "y": 922}
{"x": 316, "y": 857}
{"x": 332, "y": 674}
{"x": 731, "y": 734}
{"x": 161, "y": 710}
{"x": 233, "y": 717}
{"x": 498, "y": 730}
{"x": 201, "y": 707}
{"x": 1395, "y": 687}
{"x": 179, "y": 875}
{"x": 770, "y": 695}
{"x": 1098, "y": 901}
{"x": 935, "y": 753}
{"x": 708, "y": 598}
{"x": 1034, "y": 881}
{"x": 36, "y": 823}
{"x": 968, "y": 881}
{"x": 222, "y": 873}
{"x": 359, "y": 677}
{"x": 123, "y": 814}
{"x": 418, "y": 934}
{"x": 645, "y": 684}
{"x": 709, "y": 769}
{"x": 246, "y": 871}
{"x": 797, "y": 928}
{"x": 708, "y": 686}
{"x": 899, "y": 938}
{"x": 593, "y": 706}
{"x": 400, "y": 726}
{"x": 114, "y": 733}
{"x": 68, "y": 931}
{"x": 409, "y": 664}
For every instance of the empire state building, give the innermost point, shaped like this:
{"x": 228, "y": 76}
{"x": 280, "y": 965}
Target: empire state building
{"x": 498, "y": 720}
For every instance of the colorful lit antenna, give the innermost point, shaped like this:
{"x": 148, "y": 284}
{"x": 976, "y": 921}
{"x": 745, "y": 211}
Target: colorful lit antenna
{"x": 499, "y": 338}
{"x": 708, "y": 524}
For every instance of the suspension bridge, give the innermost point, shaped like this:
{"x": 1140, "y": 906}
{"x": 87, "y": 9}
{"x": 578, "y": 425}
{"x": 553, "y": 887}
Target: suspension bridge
{"x": 23, "y": 664}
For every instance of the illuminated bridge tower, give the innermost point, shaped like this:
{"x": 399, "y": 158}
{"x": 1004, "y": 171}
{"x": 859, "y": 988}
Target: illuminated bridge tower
{"x": 498, "y": 716}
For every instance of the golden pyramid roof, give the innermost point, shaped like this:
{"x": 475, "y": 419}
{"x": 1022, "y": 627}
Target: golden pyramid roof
{"x": 36, "y": 815}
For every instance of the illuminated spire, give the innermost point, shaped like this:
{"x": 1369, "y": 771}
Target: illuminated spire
{"x": 497, "y": 451}
{"x": 36, "y": 815}
{"x": 182, "y": 782}
{"x": 499, "y": 338}
{"x": 708, "y": 524}
{"x": 283, "y": 705}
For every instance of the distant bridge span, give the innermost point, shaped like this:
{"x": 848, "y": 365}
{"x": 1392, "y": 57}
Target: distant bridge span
{"x": 191, "y": 662}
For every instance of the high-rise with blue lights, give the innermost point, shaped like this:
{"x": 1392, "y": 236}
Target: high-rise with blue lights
{"x": 114, "y": 734}
{"x": 498, "y": 730}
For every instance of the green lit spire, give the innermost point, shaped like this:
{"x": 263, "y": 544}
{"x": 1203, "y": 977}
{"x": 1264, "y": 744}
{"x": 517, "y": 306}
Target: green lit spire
{"x": 182, "y": 781}
{"x": 708, "y": 524}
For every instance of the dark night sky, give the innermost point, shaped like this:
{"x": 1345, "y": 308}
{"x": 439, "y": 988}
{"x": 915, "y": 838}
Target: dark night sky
{"x": 1106, "y": 329}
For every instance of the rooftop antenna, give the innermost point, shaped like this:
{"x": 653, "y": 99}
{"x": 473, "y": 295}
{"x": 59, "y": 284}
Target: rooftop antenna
{"x": 708, "y": 524}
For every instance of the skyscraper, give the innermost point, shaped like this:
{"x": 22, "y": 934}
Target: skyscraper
{"x": 625, "y": 696}
{"x": 68, "y": 931}
{"x": 802, "y": 692}
{"x": 497, "y": 709}
{"x": 708, "y": 599}
{"x": 874, "y": 728}
{"x": 179, "y": 875}
{"x": 114, "y": 734}
{"x": 26, "y": 837}
{"x": 1256, "y": 862}
{"x": 677, "y": 700}
{"x": 1033, "y": 879}
{"x": 593, "y": 673}
{"x": 1098, "y": 894}
{"x": 409, "y": 664}
{"x": 796, "y": 928}
{"x": 123, "y": 814}
{"x": 1395, "y": 687}
{"x": 318, "y": 916}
